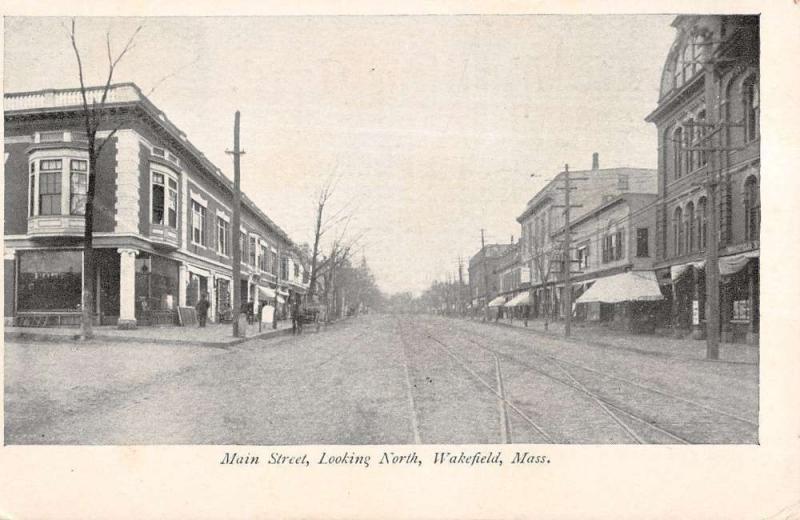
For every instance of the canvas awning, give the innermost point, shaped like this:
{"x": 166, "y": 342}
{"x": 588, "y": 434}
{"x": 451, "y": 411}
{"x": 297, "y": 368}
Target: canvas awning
{"x": 266, "y": 292}
{"x": 497, "y": 302}
{"x": 676, "y": 271}
{"x": 729, "y": 265}
{"x": 623, "y": 287}
{"x": 522, "y": 298}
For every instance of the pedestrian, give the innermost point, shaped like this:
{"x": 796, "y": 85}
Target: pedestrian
{"x": 526, "y": 312}
{"x": 202, "y": 310}
{"x": 297, "y": 326}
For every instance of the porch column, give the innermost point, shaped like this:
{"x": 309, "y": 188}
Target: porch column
{"x": 183, "y": 279}
{"x": 127, "y": 288}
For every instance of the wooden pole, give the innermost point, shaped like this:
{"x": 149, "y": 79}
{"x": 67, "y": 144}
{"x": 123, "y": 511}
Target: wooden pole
{"x": 236, "y": 268}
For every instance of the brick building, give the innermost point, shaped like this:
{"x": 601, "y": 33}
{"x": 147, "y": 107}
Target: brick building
{"x": 483, "y": 268}
{"x": 162, "y": 232}
{"x": 708, "y": 129}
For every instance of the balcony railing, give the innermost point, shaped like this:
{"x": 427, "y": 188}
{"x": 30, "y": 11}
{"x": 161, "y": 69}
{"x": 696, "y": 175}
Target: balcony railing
{"x": 68, "y": 98}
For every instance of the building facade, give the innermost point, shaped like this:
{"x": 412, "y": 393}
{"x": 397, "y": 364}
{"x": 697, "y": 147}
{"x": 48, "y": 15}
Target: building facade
{"x": 616, "y": 239}
{"x": 162, "y": 218}
{"x": 541, "y": 250}
{"x": 483, "y": 270}
{"x": 708, "y": 131}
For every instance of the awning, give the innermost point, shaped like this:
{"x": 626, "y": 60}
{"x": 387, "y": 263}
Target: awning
{"x": 266, "y": 292}
{"x": 283, "y": 292}
{"x": 281, "y": 299}
{"x": 676, "y": 271}
{"x": 623, "y": 287}
{"x": 497, "y": 302}
{"x": 522, "y": 298}
{"x": 729, "y": 265}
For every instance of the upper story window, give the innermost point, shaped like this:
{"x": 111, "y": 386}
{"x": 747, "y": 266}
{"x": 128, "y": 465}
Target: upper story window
{"x": 612, "y": 246}
{"x": 242, "y": 246}
{"x": 198, "y": 223}
{"x": 677, "y": 152}
{"x": 642, "y": 242}
{"x": 223, "y": 236}
{"x": 677, "y": 230}
{"x": 689, "y": 225}
{"x": 296, "y": 271}
{"x": 165, "y": 200}
{"x": 687, "y": 63}
{"x": 50, "y": 176}
{"x": 702, "y": 223}
{"x": 750, "y": 97}
{"x": 752, "y": 209}
{"x": 582, "y": 253}
{"x": 78, "y": 183}
{"x": 700, "y": 139}
{"x": 263, "y": 260}
{"x": 252, "y": 250}
{"x": 284, "y": 268}
{"x": 273, "y": 263}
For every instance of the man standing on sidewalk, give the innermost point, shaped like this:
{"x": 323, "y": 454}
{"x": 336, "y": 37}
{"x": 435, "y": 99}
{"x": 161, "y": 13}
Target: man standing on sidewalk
{"x": 202, "y": 310}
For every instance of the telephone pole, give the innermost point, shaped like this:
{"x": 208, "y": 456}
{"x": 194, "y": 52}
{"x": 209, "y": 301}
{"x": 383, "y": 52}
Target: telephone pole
{"x": 485, "y": 276}
{"x": 567, "y": 249}
{"x": 712, "y": 238}
{"x": 235, "y": 233}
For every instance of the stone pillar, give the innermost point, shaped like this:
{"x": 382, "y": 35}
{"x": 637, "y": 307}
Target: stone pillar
{"x": 212, "y": 298}
{"x": 127, "y": 288}
{"x": 183, "y": 280}
{"x": 10, "y": 286}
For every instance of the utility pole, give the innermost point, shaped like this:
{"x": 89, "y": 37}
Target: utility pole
{"x": 485, "y": 276}
{"x": 567, "y": 249}
{"x": 235, "y": 233}
{"x": 712, "y": 234}
{"x": 460, "y": 285}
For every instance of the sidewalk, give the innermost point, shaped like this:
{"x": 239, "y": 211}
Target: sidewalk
{"x": 213, "y": 335}
{"x": 601, "y": 336}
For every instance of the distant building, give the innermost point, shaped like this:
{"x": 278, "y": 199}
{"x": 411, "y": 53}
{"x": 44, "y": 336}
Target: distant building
{"x": 612, "y": 263}
{"x": 482, "y": 270}
{"x": 715, "y": 56}
{"x": 541, "y": 251}
{"x": 162, "y": 221}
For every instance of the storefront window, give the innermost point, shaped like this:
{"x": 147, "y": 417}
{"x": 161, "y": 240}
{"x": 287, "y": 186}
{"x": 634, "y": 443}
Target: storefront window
{"x": 49, "y": 281}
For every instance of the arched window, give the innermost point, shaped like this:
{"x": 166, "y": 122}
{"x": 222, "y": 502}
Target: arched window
{"x": 690, "y": 243}
{"x": 702, "y": 157}
{"x": 677, "y": 230}
{"x": 690, "y": 142}
{"x": 750, "y": 97}
{"x": 752, "y": 209}
{"x": 677, "y": 146}
{"x": 702, "y": 223}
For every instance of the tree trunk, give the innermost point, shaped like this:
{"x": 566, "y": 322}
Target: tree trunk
{"x": 87, "y": 300}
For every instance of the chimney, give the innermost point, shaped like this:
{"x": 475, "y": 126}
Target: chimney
{"x": 595, "y": 161}
{"x": 512, "y": 239}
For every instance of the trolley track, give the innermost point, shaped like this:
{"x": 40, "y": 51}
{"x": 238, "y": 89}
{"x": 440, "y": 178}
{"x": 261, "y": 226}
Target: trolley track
{"x": 618, "y": 400}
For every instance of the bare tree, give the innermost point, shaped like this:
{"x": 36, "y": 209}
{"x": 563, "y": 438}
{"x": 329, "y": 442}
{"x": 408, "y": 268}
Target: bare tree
{"x": 544, "y": 258}
{"x": 93, "y": 111}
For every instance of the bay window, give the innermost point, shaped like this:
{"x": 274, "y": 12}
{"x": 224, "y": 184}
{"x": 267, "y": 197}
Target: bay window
{"x": 165, "y": 200}
{"x": 50, "y": 187}
{"x": 78, "y": 183}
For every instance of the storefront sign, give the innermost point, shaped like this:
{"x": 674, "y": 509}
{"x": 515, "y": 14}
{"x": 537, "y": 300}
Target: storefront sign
{"x": 695, "y": 312}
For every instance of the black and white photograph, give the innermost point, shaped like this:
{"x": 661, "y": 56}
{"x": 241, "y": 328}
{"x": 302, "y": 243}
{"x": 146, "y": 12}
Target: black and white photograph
{"x": 218, "y": 231}
{"x": 476, "y": 234}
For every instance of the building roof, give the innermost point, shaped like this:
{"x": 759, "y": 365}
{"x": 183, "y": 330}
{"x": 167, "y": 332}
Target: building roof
{"x": 545, "y": 194}
{"x": 624, "y": 197}
{"x": 120, "y": 95}
{"x": 492, "y": 251}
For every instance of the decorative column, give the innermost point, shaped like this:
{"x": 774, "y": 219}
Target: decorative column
{"x": 183, "y": 280}
{"x": 127, "y": 288}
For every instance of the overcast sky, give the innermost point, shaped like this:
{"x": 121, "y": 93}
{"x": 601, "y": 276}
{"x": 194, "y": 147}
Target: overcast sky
{"x": 434, "y": 124}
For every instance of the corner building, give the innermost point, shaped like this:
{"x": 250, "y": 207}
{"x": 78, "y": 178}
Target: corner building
{"x": 162, "y": 232}
{"x": 708, "y": 128}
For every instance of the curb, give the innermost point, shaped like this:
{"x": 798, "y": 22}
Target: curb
{"x": 54, "y": 338}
